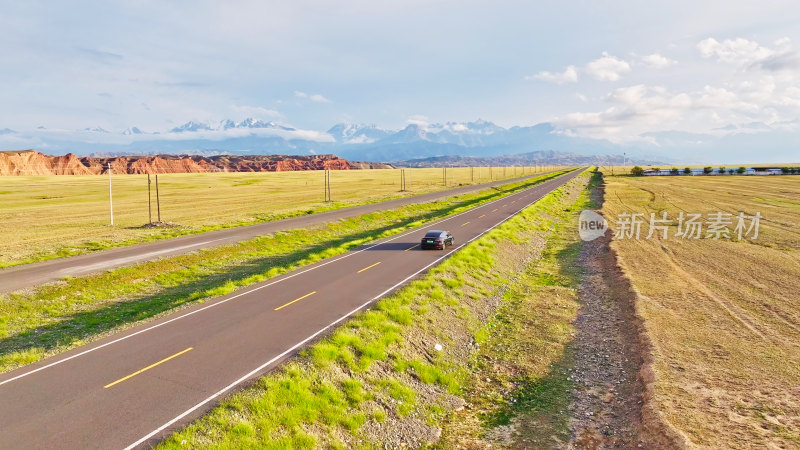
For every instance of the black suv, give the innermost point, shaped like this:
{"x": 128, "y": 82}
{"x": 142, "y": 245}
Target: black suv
{"x": 437, "y": 239}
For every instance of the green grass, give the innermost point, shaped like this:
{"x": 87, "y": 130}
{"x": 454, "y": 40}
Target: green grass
{"x": 47, "y": 217}
{"x": 55, "y": 318}
{"x": 379, "y": 366}
{"x": 525, "y": 348}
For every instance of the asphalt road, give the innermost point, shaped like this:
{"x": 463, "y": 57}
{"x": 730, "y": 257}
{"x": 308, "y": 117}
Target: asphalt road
{"x": 29, "y": 275}
{"x": 134, "y": 388}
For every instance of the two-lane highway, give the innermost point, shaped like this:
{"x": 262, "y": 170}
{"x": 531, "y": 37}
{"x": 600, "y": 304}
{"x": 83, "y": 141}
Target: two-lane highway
{"x": 136, "y": 387}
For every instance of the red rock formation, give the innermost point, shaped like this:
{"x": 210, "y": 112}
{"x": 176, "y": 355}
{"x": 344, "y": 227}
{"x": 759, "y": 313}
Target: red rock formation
{"x": 31, "y": 162}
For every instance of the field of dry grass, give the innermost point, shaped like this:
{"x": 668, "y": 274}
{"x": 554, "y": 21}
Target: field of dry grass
{"x": 722, "y": 316}
{"x": 61, "y": 215}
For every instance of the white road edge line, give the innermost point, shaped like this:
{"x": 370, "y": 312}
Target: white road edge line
{"x": 294, "y": 347}
{"x": 347, "y": 255}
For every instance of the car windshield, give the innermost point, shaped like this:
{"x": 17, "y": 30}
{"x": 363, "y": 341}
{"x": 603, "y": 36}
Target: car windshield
{"x": 433, "y": 234}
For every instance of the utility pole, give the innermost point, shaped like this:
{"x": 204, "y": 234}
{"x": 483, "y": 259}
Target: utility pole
{"x": 110, "y": 199}
{"x": 149, "y": 202}
{"x": 624, "y": 161}
{"x": 402, "y": 180}
{"x": 472, "y": 174}
{"x": 158, "y": 201}
{"x": 327, "y": 185}
{"x": 444, "y": 176}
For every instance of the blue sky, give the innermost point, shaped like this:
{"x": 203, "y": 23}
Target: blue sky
{"x": 619, "y": 70}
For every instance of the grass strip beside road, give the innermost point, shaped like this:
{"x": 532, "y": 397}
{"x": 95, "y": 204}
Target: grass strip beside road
{"x": 393, "y": 374}
{"x": 519, "y": 389}
{"x": 54, "y": 318}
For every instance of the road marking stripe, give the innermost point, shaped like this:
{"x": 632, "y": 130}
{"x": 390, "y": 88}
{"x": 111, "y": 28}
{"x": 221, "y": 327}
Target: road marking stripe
{"x": 409, "y": 248}
{"x": 268, "y": 284}
{"x": 147, "y": 368}
{"x": 320, "y": 331}
{"x": 481, "y": 216}
{"x": 295, "y": 300}
{"x": 464, "y": 223}
{"x": 369, "y": 267}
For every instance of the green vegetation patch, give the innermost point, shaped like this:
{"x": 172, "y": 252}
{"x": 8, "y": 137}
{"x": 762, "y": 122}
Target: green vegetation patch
{"x": 392, "y": 375}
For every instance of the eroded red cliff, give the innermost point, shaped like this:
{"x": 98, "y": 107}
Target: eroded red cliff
{"x": 31, "y": 162}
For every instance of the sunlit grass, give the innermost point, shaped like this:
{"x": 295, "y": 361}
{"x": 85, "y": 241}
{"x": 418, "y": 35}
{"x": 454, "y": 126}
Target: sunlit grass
{"x": 46, "y": 217}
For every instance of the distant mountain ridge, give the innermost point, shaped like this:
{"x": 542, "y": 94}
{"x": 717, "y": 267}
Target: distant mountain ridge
{"x": 362, "y": 142}
{"x": 229, "y": 125}
{"x": 539, "y": 158}
{"x": 417, "y": 140}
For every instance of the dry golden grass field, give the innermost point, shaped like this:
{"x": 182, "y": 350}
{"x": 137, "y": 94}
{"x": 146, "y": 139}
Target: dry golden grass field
{"x": 46, "y": 215}
{"x": 722, "y": 316}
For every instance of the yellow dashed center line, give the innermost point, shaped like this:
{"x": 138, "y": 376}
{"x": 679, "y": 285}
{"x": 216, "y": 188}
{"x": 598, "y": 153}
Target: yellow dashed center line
{"x": 369, "y": 267}
{"x": 464, "y": 223}
{"x": 147, "y": 368}
{"x": 494, "y": 210}
{"x": 295, "y": 300}
{"x": 481, "y": 216}
{"x": 409, "y": 248}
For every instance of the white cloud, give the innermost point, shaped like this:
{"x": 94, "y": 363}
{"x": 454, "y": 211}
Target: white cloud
{"x": 569, "y": 75}
{"x": 634, "y": 107}
{"x": 608, "y": 68}
{"x": 721, "y": 98}
{"x": 313, "y": 97}
{"x": 658, "y": 61}
{"x": 258, "y": 112}
{"x": 628, "y": 95}
{"x": 764, "y": 92}
{"x": 418, "y": 119}
{"x": 790, "y": 97}
{"x": 739, "y": 50}
{"x": 639, "y": 109}
{"x": 783, "y": 42}
{"x": 751, "y": 54}
{"x": 780, "y": 61}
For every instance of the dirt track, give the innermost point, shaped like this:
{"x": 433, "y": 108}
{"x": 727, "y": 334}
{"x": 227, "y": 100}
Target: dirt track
{"x": 607, "y": 408}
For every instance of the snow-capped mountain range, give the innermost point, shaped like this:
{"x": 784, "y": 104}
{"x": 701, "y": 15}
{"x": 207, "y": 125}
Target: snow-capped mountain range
{"x": 365, "y": 142}
{"x": 228, "y": 125}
